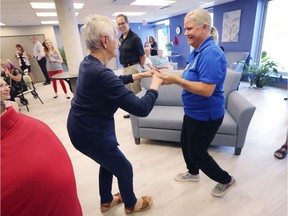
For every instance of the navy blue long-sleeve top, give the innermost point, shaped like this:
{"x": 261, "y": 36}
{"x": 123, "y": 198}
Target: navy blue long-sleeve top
{"x": 99, "y": 93}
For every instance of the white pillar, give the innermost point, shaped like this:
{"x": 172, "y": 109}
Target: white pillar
{"x": 69, "y": 34}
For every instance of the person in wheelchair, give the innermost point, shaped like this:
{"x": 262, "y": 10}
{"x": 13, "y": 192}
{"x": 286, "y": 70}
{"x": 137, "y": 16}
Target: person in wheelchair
{"x": 5, "y": 95}
{"x": 14, "y": 78}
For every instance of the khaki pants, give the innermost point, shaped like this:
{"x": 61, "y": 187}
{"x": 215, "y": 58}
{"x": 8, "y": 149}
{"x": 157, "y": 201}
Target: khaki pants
{"x": 135, "y": 86}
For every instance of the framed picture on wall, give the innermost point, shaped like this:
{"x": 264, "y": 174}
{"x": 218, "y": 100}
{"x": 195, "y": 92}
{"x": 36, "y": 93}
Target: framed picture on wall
{"x": 231, "y": 26}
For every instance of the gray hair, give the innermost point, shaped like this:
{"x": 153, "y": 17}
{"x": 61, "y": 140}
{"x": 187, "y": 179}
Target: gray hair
{"x": 202, "y": 17}
{"x": 95, "y": 26}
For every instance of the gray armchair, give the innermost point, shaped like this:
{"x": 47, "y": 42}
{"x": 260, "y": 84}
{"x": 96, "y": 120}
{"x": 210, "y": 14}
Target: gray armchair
{"x": 165, "y": 120}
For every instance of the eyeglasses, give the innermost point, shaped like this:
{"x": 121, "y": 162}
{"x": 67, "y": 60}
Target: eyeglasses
{"x": 122, "y": 23}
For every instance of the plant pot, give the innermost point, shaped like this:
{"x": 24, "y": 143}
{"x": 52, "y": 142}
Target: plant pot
{"x": 259, "y": 83}
{"x": 169, "y": 52}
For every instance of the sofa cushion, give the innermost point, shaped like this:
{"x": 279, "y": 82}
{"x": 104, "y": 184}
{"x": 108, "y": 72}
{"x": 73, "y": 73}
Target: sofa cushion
{"x": 233, "y": 59}
{"x": 231, "y": 82}
{"x": 164, "y": 117}
{"x": 171, "y": 118}
{"x": 229, "y": 126}
{"x": 168, "y": 95}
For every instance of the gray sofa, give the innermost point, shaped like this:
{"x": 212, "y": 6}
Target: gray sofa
{"x": 165, "y": 120}
{"x": 235, "y": 59}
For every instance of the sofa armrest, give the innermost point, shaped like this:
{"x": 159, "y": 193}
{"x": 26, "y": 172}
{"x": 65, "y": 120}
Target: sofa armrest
{"x": 134, "y": 119}
{"x": 241, "y": 111}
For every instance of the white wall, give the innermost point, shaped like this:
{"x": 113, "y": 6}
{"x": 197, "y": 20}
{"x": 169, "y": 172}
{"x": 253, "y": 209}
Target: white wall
{"x": 11, "y": 35}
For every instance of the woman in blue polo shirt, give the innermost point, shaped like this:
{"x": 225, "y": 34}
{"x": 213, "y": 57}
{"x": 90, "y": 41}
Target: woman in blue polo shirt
{"x": 203, "y": 99}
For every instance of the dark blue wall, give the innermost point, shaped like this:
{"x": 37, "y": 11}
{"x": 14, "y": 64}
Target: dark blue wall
{"x": 247, "y": 29}
{"x": 248, "y": 13}
{"x": 183, "y": 48}
{"x": 143, "y": 31}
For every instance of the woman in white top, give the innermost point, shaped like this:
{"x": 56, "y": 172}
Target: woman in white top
{"x": 5, "y": 95}
{"x": 148, "y": 63}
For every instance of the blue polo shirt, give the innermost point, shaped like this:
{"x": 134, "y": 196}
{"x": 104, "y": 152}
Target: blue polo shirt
{"x": 207, "y": 65}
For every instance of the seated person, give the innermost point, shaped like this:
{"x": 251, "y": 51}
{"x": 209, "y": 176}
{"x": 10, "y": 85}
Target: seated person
{"x": 282, "y": 151}
{"x": 162, "y": 62}
{"x": 5, "y": 95}
{"x": 37, "y": 176}
{"x": 13, "y": 77}
{"x": 148, "y": 63}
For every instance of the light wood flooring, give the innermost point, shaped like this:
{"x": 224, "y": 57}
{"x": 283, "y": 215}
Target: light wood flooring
{"x": 262, "y": 179}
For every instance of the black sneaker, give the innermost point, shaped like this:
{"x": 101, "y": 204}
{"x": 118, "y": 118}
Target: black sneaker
{"x": 126, "y": 116}
{"x": 46, "y": 83}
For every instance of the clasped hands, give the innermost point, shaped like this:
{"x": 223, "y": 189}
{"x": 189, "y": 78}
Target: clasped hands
{"x": 163, "y": 78}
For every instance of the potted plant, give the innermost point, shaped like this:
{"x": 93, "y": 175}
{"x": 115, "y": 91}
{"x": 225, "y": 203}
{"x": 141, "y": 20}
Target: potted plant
{"x": 262, "y": 72}
{"x": 168, "y": 46}
{"x": 63, "y": 55}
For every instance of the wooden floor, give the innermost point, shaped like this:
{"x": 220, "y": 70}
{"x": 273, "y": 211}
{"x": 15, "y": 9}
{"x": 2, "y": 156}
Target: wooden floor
{"x": 262, "y": 179}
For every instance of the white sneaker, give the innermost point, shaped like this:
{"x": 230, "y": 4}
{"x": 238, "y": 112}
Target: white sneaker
{"x": 221, "y": 189}
{"x": 187, "y": 177}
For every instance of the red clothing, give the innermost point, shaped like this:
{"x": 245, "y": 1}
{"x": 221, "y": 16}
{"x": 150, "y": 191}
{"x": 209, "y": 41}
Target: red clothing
{"x": 37, "y": 176}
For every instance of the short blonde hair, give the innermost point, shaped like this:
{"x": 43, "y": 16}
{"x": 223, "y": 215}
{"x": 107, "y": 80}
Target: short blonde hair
{"x": 95, "y": 26}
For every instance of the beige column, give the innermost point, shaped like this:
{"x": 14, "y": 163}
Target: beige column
{"x": 69, "y": 34}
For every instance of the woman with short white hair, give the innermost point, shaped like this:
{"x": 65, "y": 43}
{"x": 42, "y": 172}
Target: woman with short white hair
{"x": 91, "y": 127}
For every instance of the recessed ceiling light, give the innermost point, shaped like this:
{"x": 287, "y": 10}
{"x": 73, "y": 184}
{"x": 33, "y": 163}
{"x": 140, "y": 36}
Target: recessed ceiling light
{"x": 78, "y": 5}
{"x": 129, "y": 13}
{"x": 50, "y": 14}
{"x": 49, "y": 22}
{"x": 152, "y": 2}
{"x": 42, "y": 5}
{"x": 51, "y": 5}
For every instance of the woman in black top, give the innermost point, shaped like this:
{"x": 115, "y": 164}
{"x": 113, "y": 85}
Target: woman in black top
{"x": 23, "y": 59}
{"x": 91, "y": 124}
{"x": 153, "y": 46}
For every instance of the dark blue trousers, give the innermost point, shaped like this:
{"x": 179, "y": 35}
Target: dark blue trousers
{"x": 42, "y": 64}
{"x": 112, "y": 162}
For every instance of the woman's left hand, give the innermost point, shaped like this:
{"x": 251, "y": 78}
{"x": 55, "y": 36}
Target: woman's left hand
{"x": 147, "y": 74}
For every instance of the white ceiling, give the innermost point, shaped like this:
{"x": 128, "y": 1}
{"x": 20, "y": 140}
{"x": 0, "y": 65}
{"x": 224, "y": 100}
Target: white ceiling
{"x": 20, "y": 12}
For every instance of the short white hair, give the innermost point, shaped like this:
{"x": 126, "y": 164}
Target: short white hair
{"x": 95, "y": 26}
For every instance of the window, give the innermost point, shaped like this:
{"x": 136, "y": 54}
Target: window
{"x": 276, "y": 33}
{"x": 163, "y": 34}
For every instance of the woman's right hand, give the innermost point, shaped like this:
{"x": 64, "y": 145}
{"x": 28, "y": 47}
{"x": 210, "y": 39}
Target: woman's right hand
{"x": 51, "y": 59}
{"x": 168, "y": 78}
{"x": 156, "y": 82}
